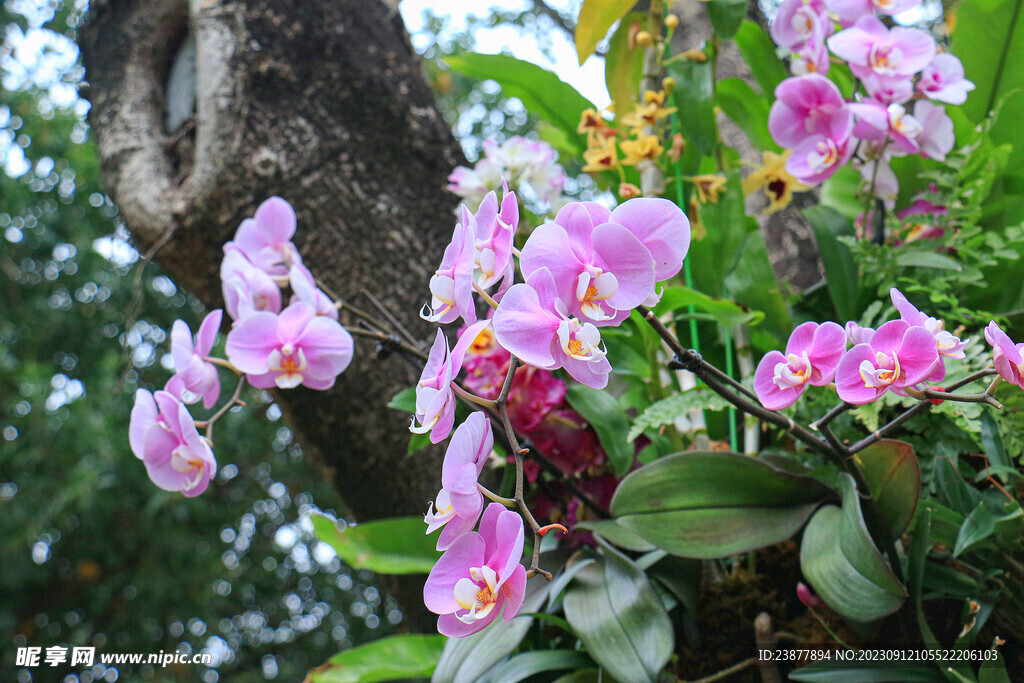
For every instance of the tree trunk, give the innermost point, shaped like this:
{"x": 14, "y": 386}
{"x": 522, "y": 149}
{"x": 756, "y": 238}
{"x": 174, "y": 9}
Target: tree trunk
{"x": 322, "y": 102}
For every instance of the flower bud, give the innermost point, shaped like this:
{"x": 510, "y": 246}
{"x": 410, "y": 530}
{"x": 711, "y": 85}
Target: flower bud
{"x": 668, "y": 84}
{"x": 644, "y": 39}
{"x": 671, "y": 21}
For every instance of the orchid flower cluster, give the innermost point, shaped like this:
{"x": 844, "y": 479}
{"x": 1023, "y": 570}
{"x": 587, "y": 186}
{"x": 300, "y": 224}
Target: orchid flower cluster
{"x": 895, "y": 66}
{"x": 528, "y": 166}
{"x": 902, "y": 355}
{"x": 586, "y": 269}
{"x": 269, "y": 345}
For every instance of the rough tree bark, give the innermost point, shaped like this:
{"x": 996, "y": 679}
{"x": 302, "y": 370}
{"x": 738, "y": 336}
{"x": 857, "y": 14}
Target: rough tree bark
{"x": 324, "y": 103}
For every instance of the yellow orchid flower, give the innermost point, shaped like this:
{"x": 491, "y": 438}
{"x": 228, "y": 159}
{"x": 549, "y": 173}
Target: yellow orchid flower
{"x": 644, "y": 148}
{"x": 777, "y": 183}
{"x": 601, "y": 154}
{"x": 709, "y": 187}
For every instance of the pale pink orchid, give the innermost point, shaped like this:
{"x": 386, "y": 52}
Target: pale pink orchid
{"x": 451, "y": 286}
{"x": 661, "y": 226}
{"x": 293, "y": 348}
{"x": 809, "y": 106}
{"x": 435, "y": 398}
{"x": 851, "y": 11}
{"x": 800, "y": 21}
{"x": 899, "y": 355}
{"x": 812, "y": 355}
{"x": 304, "y": 289}
{"x": 881, "y": 181}
{"x": 601, "y": 269}
{"x": 193, "y": 373}
{"x": 810, "y": 57}
{"x": 857, "y": 334}
{"x": 937, "y": 136}
{"x": 889, "y": 90}
{"x": 163, "y": 435}
{"x": 265, "y": 239}
{"x": 1008, "y": 357}
{"x": 494, "y": 232}
{"x": 479, "y": 576}
{"x": 878, "y": 122}
{"x": 518, "y": 153}
{"x": 873, "y": 49}
{"x": 818, "y": 157}
{"x": 247, "y": 289}
{"x": 946, "y": 344}
{"x": 472, "y": 184}
{"x": 458, "y": 505}
{"x": 943, "y": 80}
{"x": 533, "y": 323}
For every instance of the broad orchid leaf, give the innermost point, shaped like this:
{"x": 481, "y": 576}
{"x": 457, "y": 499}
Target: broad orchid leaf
{"x": 864, "y": 672}
{"x": 608, "y": 419}
{"x": 387, "y": 546}
{"x": 618, "y": 616}
{"x": 527, "y": 664}
{"x": 726, "y": 16}
{"x": 727, "y": 313}
{"x": 842, "y": 564}
{"x": 469, "y": 659}
{"x": 758, "y": 51}
{"x": 715, "y": 255}
{"x": 706, "y": 505}
{"x": 752, "y": 283}
{"x": 596, "y": 17}
{"x": 748, "y": 110}
{"x": 694, "y": 96}
{"x": 840, "y": 267}
{"x": 543, "y": 93}
{"x": 401, "y": 657}
{"x": 623, "y": 65}
{"x": 617, "y": 535}
{"x": 893, "y": 475}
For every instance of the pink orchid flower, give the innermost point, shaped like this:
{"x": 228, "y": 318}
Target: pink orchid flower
{"x": 878, "y": 122}
{"x": 661, "y": 226}
{"x": 459, "y": 503}
{"x": 850, "y": 11}
{"x": 532, "y": 323}
{"x": 943, "y": 80}
{"x": 435, "y": 398}
{"x": 883, "y": 180}
{"x": 163, "y": 435}
{"x": 810, "y": 57}
{"x": 494, "y": 233}
{"x": 857, "y": 334}
{"x": 937, "y": 136}
{"x": 818, "y": 157}
{"x": 479, "y": 576}
{"x": 812, "y": 355}
{"x": 451, "y": 286}
{"x": 899, "y": 355}
{"x": 873, "y": 49}
{"x": 947, "y": 345}
{"x": 293, "y": 348}
{"x": 800, "y": 21}
{"x": 518, "y": 153}
{"x": 601, "y": 270}
{"x": 265, "y": 239}
{"x": 247, "y": 289}
{"x": 889, "y": 90}
{"x": 304, "y": 289}
{"x": 808, "y": 106}
{"x": 1009, "y": 357}
{"x": 193, "y": 373}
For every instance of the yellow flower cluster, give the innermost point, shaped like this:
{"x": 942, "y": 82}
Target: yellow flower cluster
{"x": 777, "y": 183}
{"x": 602, "y": 152}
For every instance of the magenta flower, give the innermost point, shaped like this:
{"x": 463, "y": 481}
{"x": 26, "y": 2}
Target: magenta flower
{"x": 304, "y": 289}
{"x": 807, "y": 107}
{"x": 817, "y": 158}
{"x": 246, "y": 288}
{"x": 265, "y": 239}
{"x": 451, "y": 286}
{"x": 889, "y": 90}
{"x": 943, "y": 80}
{"x": 192, "y": 372}
{"x": 856, "y": 334}
{"x": 293, "y": 348}
{"x": 479, "y": 576}
{"x": 533, "y": 324}
{"x": 494, "y": 232}
{"x": 937, "y": 136}
{"x": 878, "y": 122}
{"x": 873, "y": 49}
{"x": 659, "y": 224}
{"x": 1009, "y": 357}
{"x": 459, "y": 503}
{"x": 810, "y": 57}
{"x": 435, "y": 398}
{"x": 899, "y": 355}
{"x": 163, "y": 435}
{"x": 812, "y": 355}
{"x": 947, "y": 345}
{"x": 799, "y": 21}
{"x": 601, "y": 270}
{"x": 850, "y": 11}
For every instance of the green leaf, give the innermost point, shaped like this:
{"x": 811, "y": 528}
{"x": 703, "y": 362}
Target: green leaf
{"x": 614, "y": 533}
{"x": 527, "y": 664}
{"x": 727, "y": 313}
{"x": 864, "y": 672}
{"x": 927, "y": 259}
{"x": 707, "y": 505}
{"x": 893, "y": 475}
{"x": 585, "y": 676}
{"x": 603, "y": 412}
{"x": 386, "y": 546}
{"x": 714, "y": 256}
{"x": 543, "y": 93}
{"x": 726, "y": 16}
{"x": 986, "y": 519}
{"x": 994, "y": 670}
{"x": 393, "y": 658}
{"x": 836, "y": 257}
{"x": 694, "y": 97}
{"x": 596, "y": 17}
{"x": 623, "y": 66}
{"x": 992, "y": 443}
{"x": 417, "y": 442}
{"x": 758, "y": 51}
{"x": 666, "y": 411}
{"x": 748, "y": 110}
{"x": 752, "y": 283}
{"x": 469, "y": 659}
{"x": 842, "y": 564}
{"x": 618, "y": 616}
{"x": 404, "y": 400}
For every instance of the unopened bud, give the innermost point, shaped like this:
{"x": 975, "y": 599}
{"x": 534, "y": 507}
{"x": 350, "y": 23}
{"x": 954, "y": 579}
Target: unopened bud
{"x": 671, "y": 21}
{"x": 644, "y": 39}
{"x": 668, "y": 84}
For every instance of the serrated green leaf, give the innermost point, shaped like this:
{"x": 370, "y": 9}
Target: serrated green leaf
{"x": 392, "y": 658}
{"x": 707, "y": 505}
{"x": 666, "y": 411}
{"x": 596, "y": 17}
{"x": 606, "y": 416}
{"x": 386, "y": 546}
{"x": 618, "y": 616}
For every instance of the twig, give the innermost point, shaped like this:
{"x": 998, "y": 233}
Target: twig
{"x": 391, "y": 318}
{"x": 225, "y": 408}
